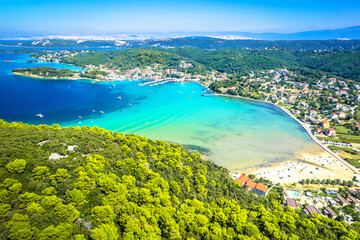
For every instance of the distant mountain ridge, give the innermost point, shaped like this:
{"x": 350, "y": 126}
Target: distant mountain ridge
{"x": 201, "y": 43}
{"x": 326, "y": 34}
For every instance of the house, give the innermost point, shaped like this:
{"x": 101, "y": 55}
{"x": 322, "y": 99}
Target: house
{"x": 332, "y": 80}
{"x": 343, "y": 92}
{"x": 340, "y": 200}
{"x": 249, "y": 185}
{"x": 318, "y": 130}
{"x": 333, "y": 116}
{"x": 325, "y": 124}
{"x": 357, "y": 127}
{"x": 352, "y": 191}
{"x": 243, "y": 179}
{"x": 338, "y": 106}
{"x": 297, "y": 112}
{"x": 329, "y": 212}
{"x": 351, "y": 199}
{"x": 311, "y": 209}
{"x": 342, "y": 115}
{"x": 312, "y": 113}
{"x": 333, "y": 99}
{"x": 330, "y": 132}
{"x": 291, "y": 202}
{"x": 357, "y": 98}
{"x": 260, "y": 189}
{"x": 312, "y": 120}
{"x": 305, "y": 105}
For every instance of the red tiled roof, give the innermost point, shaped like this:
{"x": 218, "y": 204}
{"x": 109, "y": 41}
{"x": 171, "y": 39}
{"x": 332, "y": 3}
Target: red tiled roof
{"x": 243, "y": 179}
{"x": 261, "y": 187}
{"x": 250, "y": 185}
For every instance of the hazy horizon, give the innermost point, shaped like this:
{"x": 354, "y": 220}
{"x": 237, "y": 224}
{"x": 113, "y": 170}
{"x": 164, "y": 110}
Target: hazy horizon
{"x": 92, "y": 17}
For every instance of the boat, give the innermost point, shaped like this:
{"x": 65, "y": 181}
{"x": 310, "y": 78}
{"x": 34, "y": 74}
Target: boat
{"x": 122, "y": 110}
{"x": 130, "y": 104}
{"x": 101, "y": 112}
{"x": 39, "y": 115}
{"x": 80, "y": 116}
{"x": 93, "y": 110}
{"x": 110, "y": 88}
{"x": 119, "y": 97}
{"x": 113, "y": 85}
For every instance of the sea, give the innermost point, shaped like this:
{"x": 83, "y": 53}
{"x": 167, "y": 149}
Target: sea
{"x": 234, "y": 133}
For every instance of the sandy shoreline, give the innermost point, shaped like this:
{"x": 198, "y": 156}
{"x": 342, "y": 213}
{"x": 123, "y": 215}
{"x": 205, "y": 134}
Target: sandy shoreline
{"x": 323, "y": 166}
{"x": 327, "y": 165}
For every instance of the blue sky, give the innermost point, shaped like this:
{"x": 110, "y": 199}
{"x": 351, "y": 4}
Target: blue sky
{"x": 21, "y": 17}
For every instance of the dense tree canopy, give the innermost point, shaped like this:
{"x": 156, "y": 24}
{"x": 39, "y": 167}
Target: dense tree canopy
{"x": 116, "y": 186}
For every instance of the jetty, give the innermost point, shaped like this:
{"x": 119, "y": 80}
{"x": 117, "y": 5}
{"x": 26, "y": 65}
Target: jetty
{"x": 160, "y": 81}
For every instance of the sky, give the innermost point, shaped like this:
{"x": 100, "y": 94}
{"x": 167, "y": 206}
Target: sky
{"x": 34, "y": 17}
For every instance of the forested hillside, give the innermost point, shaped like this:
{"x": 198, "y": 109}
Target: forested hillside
{"x": 115, "y": 186}
{"x": 238, "y": 61}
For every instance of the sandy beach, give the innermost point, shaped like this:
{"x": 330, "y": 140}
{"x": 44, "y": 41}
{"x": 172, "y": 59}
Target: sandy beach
{"x": 323, "y": 166}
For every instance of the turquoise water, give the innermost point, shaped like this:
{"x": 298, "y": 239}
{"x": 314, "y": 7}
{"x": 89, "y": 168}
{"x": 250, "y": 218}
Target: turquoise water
{"x": 235, "y": 133}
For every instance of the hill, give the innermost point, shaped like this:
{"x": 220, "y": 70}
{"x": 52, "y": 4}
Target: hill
{"x": 198, "y": 42}
{"x": 312, "y": 64}
{"x": 115, "y": 186}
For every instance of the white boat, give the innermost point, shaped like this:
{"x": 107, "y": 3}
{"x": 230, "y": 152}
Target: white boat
{"x": 101, "y": 112}
{"x": 39, "y": 115}
{"x": 119, "y": 97}
{"x": 93, "y": 110}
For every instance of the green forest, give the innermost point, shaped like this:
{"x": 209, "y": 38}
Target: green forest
{"x": 123, "y": 186}
{"x": 50, "y": 72}
{"x": 45, "y": 72}
{"x": 235, "y": 61}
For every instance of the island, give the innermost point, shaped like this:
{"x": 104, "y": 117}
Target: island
{"x": 56, "y": 73}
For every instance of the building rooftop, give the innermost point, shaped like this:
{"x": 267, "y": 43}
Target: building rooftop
{"x": 243, "y": 179}
{"x": 311, "y": 209}
{"x": 329, "y": 211}
{"x": 291, "y": 202}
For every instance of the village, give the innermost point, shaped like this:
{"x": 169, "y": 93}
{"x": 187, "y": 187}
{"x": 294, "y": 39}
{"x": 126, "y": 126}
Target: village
{"x": 155, "y": 72}
{"x": 342, "y": 203}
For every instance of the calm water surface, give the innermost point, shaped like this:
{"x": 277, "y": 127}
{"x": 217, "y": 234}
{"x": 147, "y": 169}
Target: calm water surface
{"x": 236, "y": 133}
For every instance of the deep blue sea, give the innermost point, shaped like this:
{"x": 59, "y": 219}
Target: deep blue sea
{"x": 237, "y": 134}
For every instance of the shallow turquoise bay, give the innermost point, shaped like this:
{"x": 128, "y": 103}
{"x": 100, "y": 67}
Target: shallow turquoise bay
{"x": 235, "y": 133}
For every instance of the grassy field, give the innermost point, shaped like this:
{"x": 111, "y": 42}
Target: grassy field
{"x": 343, "y": 138}
{"x": 349, "y": 138}
{"x": 342, "y": 130}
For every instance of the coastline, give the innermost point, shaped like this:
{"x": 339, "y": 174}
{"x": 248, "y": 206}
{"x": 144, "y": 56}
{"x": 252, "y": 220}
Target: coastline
{"x": 232, "y": 96}
{"x": 308, "y": 131}
{"x": 301, "y": 124}
{"x": 53, "y": 78}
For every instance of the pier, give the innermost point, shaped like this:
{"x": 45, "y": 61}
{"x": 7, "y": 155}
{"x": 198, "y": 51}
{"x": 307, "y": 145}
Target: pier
{"x": 161, "y": 81}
